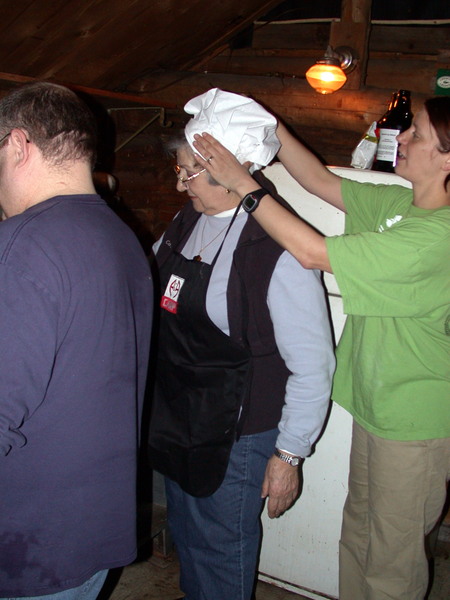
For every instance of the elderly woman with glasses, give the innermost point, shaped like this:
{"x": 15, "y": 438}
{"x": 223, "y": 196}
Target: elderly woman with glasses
{"x": 244, "y": 362}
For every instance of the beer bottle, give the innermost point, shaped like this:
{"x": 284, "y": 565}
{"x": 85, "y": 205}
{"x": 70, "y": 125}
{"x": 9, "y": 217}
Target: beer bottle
{"x": 396, "y": 119}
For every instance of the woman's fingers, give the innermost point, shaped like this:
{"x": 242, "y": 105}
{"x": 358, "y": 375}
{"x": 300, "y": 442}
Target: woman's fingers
{"x": 208, "y": 146}
{"x": 219, "y": 161}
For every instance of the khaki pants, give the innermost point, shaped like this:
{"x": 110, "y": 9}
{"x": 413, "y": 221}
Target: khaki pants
{"x": 396, "y": 494}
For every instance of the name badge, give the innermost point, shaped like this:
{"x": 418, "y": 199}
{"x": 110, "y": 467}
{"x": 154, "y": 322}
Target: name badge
{"x": 169, "y": 301}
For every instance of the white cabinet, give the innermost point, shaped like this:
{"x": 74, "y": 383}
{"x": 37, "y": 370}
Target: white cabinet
{"x": 300, "y": 549}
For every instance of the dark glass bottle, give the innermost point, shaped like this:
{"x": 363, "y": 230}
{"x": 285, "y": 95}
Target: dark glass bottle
{"x": 396, "y": 119}
{"x": 389, "y": 108}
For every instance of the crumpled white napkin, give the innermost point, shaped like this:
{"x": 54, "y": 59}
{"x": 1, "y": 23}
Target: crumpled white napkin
{"x": 242, "y": 125}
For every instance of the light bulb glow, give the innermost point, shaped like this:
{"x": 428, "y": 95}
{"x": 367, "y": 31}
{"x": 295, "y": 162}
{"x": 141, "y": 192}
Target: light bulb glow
{"x": 325, "y": 79}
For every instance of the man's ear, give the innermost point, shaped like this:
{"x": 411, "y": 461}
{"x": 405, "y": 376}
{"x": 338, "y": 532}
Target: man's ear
{"x": 20, "y": 145}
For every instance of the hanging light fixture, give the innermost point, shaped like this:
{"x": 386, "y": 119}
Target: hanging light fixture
{"x": 327, "y": 75}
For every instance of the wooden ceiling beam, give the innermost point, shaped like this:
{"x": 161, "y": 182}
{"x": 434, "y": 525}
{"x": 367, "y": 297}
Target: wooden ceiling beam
{"x": 353, "y": 30}
{"x": 229, "y": 32}
{"x": 106, "y": 97}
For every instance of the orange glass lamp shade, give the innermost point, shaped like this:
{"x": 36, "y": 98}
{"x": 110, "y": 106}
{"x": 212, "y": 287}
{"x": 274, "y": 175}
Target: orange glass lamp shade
{"x": 327, "y": 75}
{"x": 326, "y": 78}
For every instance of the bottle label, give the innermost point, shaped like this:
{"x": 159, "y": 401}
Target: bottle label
{"x": 387, "y": 145}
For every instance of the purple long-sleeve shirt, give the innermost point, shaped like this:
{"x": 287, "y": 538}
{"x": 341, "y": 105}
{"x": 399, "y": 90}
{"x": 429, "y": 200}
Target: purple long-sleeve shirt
{"x": 75, "y": 320}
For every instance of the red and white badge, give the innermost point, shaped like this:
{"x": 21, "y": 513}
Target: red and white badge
{"x": 169, "y": 301}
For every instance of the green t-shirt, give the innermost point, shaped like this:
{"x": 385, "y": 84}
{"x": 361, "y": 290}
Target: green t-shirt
{"x": 392, "y": 266}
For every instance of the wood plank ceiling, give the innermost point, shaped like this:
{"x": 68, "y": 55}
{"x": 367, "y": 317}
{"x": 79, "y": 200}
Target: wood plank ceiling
{"x": 108, "y": 44}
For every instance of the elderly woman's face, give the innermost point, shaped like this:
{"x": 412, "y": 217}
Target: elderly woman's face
{"x": 206, "y": 198}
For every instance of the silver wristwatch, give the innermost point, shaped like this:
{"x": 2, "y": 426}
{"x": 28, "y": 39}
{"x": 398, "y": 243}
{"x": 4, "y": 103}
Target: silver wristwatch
{"x": 294, "y": 461}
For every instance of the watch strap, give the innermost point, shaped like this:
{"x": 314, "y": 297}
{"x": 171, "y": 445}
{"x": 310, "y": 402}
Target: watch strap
{"x": 287, "y": 458}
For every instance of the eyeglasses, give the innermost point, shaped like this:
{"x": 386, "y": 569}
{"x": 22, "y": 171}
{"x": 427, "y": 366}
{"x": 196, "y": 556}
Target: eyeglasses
{"x": 182, "y": 179}
{"x": 4, "y": 137}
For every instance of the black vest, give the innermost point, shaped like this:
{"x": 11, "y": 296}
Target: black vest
{"x": 250, "y": 324}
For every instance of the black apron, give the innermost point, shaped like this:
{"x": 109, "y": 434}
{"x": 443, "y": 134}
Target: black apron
{"x": 201, "y": 382}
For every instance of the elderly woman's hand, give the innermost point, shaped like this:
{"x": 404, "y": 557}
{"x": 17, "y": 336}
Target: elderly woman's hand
{"x": 223, "y": 165}
{"x": 281, "y": 485}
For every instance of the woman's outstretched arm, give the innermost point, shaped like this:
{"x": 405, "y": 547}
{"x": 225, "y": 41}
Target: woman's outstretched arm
{"x": 297, "y": 237}
{"x": 308, "y": 170}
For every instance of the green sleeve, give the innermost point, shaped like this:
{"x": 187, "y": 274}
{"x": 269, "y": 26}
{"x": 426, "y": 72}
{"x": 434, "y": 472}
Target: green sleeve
{"x": 367, "y": 204}
{"x": 402, "y": 271}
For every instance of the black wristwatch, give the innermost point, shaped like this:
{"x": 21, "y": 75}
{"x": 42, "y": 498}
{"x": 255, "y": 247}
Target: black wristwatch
{"x": 294, "y": 461}
{"x": 250, "y": 202}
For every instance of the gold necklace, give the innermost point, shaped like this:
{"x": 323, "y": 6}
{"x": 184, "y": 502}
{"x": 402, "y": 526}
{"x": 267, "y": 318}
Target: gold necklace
{"x": 198, "y": 256}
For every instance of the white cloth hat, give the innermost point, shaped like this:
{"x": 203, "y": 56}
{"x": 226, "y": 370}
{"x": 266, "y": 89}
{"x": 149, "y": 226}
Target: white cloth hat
{"x": 242, "y": 125}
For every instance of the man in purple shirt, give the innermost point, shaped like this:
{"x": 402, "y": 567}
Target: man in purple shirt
{"x": 75, "y": 323}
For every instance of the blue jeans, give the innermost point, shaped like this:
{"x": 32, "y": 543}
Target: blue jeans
{"x": 218, "y": 537}
{"x": 89, "y": 590}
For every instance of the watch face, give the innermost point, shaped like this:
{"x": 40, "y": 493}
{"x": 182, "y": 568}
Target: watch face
{"x": 294, "y": 461}
{"x": 249, "y": 203}
{"x": 251, "y": 200}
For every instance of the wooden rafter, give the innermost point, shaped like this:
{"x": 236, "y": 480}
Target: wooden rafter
{"x": 353, "y": 30}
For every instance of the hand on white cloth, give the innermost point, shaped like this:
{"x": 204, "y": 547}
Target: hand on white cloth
{"x": 281, "y": 486}
{"x": 242, "y": 125}
{"x": 222, "y": 165}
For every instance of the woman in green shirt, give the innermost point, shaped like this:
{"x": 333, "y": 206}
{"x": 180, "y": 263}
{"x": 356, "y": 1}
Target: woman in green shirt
{"x": 392, "y": 374}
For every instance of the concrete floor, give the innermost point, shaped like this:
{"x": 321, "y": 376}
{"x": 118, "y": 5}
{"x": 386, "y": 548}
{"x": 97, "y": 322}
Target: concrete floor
{"x": 154, "y": 576}
{"x": 157, "y": 579}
